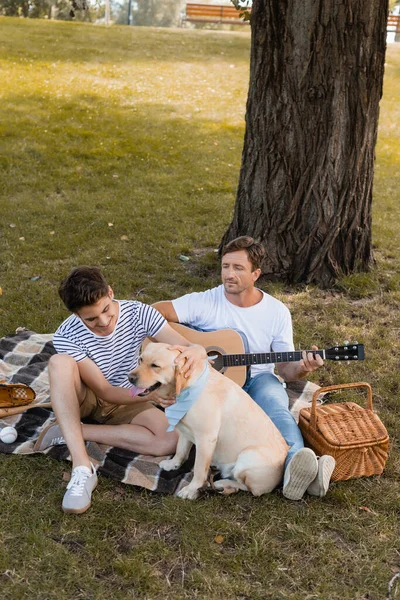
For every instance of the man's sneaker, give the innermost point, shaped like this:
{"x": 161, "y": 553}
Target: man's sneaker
{"x": 50, "y": 436}
{"x": 77, "y": 498}
{"x": 320, "y": 485}
{"x": 299, "y": 473}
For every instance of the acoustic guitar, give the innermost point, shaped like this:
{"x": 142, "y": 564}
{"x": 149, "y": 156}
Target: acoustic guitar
{"x": 235, "y": 364}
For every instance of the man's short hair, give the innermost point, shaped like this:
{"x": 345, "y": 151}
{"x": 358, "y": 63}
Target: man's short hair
{"x": 83, "y": 286}
{"x": 255, "y": 250}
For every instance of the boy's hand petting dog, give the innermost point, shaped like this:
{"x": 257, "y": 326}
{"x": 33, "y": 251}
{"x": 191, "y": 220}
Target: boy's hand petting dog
{"x": 189, "y": 358}
{"x": 163, "y": 401}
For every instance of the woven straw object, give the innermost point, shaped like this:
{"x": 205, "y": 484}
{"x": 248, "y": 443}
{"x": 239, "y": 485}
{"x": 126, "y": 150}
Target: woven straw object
{"x": 353, "y": 435}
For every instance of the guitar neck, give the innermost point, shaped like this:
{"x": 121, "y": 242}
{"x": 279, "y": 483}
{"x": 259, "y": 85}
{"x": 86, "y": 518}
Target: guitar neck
{"x": 263, "y": 358}
{"x": 217, "y": 343}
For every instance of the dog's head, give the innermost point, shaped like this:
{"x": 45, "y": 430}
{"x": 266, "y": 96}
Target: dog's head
{"x": 157, "y": 371}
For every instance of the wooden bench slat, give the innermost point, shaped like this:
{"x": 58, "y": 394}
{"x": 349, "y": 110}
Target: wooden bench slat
{"x": 213, "y": 13}
{"x": 393, "y": 23}
{"x": 207, "y": 11}
{"x": 221, "y": 13}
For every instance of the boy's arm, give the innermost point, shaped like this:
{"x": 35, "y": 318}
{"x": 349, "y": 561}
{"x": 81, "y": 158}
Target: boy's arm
{"x": 192, "y": 354}
{"x": 95, "y": 380}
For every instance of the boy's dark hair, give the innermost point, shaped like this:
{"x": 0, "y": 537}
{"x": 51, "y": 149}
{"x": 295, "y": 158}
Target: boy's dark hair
{"x": 255, "y": 251}
{"x": 83, "y": 286}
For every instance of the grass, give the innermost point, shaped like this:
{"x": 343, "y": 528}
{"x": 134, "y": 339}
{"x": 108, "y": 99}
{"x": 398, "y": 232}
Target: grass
{"x": 138, "y": 132}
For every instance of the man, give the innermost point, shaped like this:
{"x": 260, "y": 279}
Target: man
{"x": 267, "y": 325}
{"x": 97, "y": 346}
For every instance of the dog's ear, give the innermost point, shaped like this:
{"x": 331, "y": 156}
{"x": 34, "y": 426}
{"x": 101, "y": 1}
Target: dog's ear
{"x": 180, "y": 380}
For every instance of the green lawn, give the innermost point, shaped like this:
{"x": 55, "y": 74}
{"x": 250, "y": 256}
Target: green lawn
{"x": 121, "y": 147}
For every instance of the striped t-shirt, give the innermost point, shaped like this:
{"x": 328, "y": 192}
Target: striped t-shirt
{"x": 115, "y": 354}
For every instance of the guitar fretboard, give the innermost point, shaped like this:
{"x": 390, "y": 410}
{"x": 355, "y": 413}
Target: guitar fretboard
{"x": 244, "y": 360}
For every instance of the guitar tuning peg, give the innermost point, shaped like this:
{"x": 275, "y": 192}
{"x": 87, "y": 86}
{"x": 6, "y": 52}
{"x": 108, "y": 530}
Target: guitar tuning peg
{"x": 355, "y": 343}
{"x": 346, "y": 342}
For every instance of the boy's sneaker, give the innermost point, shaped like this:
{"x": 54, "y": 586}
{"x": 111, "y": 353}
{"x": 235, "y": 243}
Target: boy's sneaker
{"x": 50, "y": 436}
{"x": 320, "y": 485}
{"x": 299, "y": 474}
{"x": 77, "y": 498}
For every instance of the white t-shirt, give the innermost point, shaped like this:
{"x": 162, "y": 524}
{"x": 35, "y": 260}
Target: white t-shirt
{"x": 266, "y": 325}
{"x": 115, "y": 354}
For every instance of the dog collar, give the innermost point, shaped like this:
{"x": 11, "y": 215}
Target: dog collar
{"x": 185, "y": 400}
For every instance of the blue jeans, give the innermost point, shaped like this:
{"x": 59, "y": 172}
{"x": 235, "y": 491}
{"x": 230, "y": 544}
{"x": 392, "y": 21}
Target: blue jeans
{"x": 268, "y": 392}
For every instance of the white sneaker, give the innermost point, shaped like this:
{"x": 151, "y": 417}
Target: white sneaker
{"x": 77, "y": 498}
{"x": 320, "y": 485}
{"x": 50, "y": 436}
{"x": 299, "y": 473}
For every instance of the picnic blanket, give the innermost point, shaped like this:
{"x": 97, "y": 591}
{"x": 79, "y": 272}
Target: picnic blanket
{"x": 23, "y": 359}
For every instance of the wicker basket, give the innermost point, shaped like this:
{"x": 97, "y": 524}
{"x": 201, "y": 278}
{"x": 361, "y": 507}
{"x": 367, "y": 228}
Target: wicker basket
{"x": 353, "y": 435}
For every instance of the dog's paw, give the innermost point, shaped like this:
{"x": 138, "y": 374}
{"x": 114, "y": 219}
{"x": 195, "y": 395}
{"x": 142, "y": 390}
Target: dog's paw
{"x": 225, "y": 490}
{"x": 189, "y": 493}
{"x": 169, "y": 464}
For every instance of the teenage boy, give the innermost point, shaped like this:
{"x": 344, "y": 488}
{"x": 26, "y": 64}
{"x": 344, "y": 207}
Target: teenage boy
{"x": 267, "y": 325}
{"x": 97, "y": 346}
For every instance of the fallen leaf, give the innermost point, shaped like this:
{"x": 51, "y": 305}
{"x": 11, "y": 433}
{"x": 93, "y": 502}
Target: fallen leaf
{"x": 184, "y": 258}
{"x": 366, "y": 509}
{"x": 115, "y": 176}
{"x": 124, "y": 237}
{"x": 52, "y": 232}
{"x": 111, "y": 224}
{"x": 219, "y": 539}
{"x": 35, "y": 278}
{"x": 22, "y": 239}
{"x": 12, "y": 225}
{"x": 1, "y": 291}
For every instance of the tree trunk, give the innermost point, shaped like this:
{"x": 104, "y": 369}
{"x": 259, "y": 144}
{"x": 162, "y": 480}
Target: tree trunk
{"x": 107, "y": 14}
{"x": 305, "y": 186}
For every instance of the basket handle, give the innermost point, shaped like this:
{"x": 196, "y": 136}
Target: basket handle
{"x": 330, "y": 388}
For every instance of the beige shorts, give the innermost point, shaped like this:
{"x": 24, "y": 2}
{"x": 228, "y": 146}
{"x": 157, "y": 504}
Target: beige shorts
{"x": 112, "y": 414}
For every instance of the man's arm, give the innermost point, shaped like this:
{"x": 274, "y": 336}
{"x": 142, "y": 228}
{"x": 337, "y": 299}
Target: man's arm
{"x": 299, "y": 370}
{"x": 167, "y": 310}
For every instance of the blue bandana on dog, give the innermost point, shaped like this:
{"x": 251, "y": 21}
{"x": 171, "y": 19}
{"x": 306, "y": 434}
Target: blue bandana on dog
{"x": 185, "y": 400}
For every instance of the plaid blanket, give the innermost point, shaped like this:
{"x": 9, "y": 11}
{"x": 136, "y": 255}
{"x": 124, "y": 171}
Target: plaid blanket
{"x": 23, "y": 359}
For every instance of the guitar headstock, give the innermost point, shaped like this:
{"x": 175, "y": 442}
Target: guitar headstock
{"x": 350, "y": 351}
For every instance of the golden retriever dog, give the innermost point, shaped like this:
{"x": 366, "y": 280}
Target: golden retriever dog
{"x": 230, "y": 431}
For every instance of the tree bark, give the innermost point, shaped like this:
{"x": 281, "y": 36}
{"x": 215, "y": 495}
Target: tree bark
{"x": 305, "y": 186}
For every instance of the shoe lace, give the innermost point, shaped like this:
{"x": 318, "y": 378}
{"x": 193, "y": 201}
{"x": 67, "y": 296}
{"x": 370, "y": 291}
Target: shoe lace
{"x": 78, "y": 480}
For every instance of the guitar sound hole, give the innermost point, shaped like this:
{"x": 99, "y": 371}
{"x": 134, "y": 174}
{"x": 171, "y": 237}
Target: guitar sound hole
{"x": 217, "y": 363}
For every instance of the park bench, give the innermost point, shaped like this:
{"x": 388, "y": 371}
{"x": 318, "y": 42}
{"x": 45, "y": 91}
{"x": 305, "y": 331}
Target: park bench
{"x": 393, "y": 24}
{"x": 393, "y": 28}
{"x": 222, "y": 13}
{"x": 213, "y": 13}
